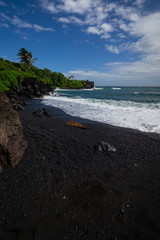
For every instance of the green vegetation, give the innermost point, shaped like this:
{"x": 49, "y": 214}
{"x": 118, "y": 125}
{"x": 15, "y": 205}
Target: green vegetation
{"x": 13, "y": 74}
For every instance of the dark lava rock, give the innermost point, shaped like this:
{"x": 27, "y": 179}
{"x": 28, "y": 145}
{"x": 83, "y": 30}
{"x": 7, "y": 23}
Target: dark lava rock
{"x": 104, "y": 146}
{"x": 41, "y": 113}
{"x": 12, "y": 143}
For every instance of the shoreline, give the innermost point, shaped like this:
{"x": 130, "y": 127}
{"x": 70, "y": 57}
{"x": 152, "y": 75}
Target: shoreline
{"x": 56, "y": 112}
{"x": 125, "y": 113}
{"x": 64, "y": 188}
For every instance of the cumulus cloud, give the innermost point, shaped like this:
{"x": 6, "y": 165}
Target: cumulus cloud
{"x": 145, "y": 70}
{"x": 49, "y": 6}
{"x": 64, "y": 20}
{"x": 148, "y": 24}
{"x": 93, "y": 30}
{"x": 75, "y": 6}
{"x": 101, "y": 30}
{"x": 146, "y": 30}
{"x": 70, "y": 6}
{"x": 93, "y": 12}
{"x": 125, "y": 26}
{"x": 112, "y": 49}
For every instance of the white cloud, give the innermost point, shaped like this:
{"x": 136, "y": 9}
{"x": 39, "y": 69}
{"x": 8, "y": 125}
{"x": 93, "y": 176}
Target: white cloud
{"x": 133, "y": 17}
{"x": 148, "y": 24}
{"x": 147, "y": 30}
{"x": 5, "y": 17}
{"x": 4, "y": 25}
{"x": 112, "y": 49}
{"x": 142, "y": 32}
{"x": 105, "y": 27}
{"x": 23, "y": 24}
{"x": 127, "y": 13}
{"x": 148, "y": 68}
{"x": 102, "y": 30}
{"x": 125, "y": 26}
{"x": 92, "y": 11}
{"x": 49, "y": 6}
{"x": 139, "y": 2}
{"x": 19, "y": 23}
{"x": 110, "y": 6}
{"x": 71, "y": 19}
{"x": 3, "y": 4}
{"x": 93, "y": 30}
{"x": 141, "y": 72}
{"x": 75, "y": 6}
{"x": 32, "y": 5}
{"x": 39, "y": 28}
{"x": 64, "y": 20}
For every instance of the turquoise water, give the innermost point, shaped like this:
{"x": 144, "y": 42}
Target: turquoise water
{"x": 131, "y": 107}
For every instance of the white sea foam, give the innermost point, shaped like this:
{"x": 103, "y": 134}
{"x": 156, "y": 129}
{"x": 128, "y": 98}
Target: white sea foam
{"x": 116, "y": 88}
{"x": 98, "y": 88}
{"x": 142, "y": 116}
{"x": 68, "y": 90}
{"x": 85, "y": 89}
{"x": 136, "y": 92}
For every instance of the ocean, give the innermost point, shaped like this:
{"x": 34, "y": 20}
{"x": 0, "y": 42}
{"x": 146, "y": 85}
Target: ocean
{"x": 129, "y": 107}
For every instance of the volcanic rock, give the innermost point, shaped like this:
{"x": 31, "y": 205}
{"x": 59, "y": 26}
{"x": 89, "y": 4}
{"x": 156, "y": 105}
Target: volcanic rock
{"x": 12, "y": 143}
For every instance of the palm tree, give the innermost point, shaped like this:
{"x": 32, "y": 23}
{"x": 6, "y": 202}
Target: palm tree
{"x": 26, "y": 57}
{"x": 71, "y": 77}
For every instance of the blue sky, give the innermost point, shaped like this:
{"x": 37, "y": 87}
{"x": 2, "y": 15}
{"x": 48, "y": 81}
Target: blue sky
{"x": 113, "y": 43}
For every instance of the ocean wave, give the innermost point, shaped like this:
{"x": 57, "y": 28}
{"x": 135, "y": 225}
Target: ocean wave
{"x": 98, "y": 88}
{"x": 148, "y": 93}
{"x": 72, "y": 90}
{"x": 103, "y": 102}
{"x": 142, "y": 116}
{"x": 89, "y": 89}
{"x": 116, "y": 88}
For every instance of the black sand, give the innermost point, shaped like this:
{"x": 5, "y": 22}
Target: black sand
{"x": 64, "y": 188}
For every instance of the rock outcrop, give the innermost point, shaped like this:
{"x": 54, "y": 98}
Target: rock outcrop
{"x": 29, "y": 88}
{"x": 41, "y": 113}
{"x": 89, "y": 84}
{"x": 12, "y": 143}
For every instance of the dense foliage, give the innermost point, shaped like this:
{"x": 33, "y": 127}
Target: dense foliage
{"x": 12, "y": 74}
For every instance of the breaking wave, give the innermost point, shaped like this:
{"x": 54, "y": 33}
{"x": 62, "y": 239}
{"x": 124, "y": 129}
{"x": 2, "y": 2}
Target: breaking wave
{"x": 129, "y": 114}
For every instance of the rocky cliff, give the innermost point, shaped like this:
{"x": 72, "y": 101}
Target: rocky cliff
{"x": 12, "y": 143}
{"x": 89, "y": 84}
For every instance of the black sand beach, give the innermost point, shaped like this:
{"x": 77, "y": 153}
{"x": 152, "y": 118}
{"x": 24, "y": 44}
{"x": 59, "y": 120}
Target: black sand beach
{"x": 64, "y": 188}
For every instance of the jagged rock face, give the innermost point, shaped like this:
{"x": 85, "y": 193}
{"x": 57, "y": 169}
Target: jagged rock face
{"x": 12, "y": 143}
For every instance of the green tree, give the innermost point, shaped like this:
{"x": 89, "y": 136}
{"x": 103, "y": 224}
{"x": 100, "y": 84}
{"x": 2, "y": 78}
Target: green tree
{"x": 26, "y": 57}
